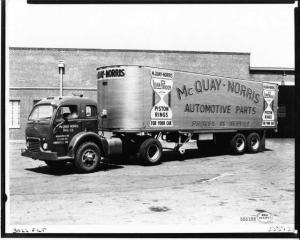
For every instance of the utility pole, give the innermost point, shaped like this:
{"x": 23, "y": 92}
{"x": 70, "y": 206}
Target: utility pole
{"x": 61, "y": 71}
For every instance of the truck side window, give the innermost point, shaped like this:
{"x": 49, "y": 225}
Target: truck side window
{"x": 90, "y": 111}
{"x": 70, "y": 110}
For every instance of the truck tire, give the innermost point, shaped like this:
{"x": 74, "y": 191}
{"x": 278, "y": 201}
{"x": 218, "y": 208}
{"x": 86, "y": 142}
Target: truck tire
{"x": 87, "y": 157}
{"x": 253, "y": 142}
{"x": 238, "y": 143}
{"x": 55, "y": 164}
{"x": 150, "y": 151}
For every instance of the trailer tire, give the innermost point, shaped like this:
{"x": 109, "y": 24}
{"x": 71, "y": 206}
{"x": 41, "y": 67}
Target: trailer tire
{"x": 87, "y": 157}
{"x": 150, "y": 151}
{"x": 55, "y": 164}
{"x": 238, "y": 143}
{"x": 253, "y": 143}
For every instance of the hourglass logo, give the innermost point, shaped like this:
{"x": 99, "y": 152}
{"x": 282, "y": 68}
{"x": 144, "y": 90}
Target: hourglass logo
{"x": 268, "y": 116}
{"x": 161, "y": 113}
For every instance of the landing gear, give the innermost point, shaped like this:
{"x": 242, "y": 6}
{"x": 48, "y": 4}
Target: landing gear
{"x": 182, "y": 140}
{"x": 180, "y": 149}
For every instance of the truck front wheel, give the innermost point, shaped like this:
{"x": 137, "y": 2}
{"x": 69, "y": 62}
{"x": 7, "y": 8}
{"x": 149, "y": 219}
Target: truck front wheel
{"x": 150, "y": 151}
{"x": 238, "y": 143}
{"x": 253, "y": 142}
{"x": 87, "y": 157}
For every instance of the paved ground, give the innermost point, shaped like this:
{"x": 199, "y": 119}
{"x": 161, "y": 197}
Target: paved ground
{"x": 210, "y": 188}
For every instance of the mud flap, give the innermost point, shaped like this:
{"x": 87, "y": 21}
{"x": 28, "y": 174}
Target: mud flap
{"x": 263, "y": 142}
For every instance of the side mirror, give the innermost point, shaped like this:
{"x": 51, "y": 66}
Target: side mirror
{"x": 104, "y": 113}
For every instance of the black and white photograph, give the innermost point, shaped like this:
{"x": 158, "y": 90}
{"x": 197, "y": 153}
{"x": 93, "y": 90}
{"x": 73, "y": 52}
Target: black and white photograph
{"x": 149, "y": 118}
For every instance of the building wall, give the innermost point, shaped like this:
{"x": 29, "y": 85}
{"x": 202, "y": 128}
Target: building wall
{"x": 279, "y": 78}
{"x": 38, "y": 67}
{"x": 33, "y": 72}
{"x": 286, "y": 98}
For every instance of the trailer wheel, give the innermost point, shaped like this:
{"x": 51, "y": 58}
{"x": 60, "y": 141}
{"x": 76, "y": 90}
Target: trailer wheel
{"x": 238, "y": 143}
{"x": 87, "y": 157}
{"x": 253, "y": 143}
{"x": 150, "y": 151}
{"x": 55, "y": 164}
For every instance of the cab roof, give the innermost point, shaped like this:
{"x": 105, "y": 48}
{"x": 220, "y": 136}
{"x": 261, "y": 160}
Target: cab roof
{"x": 65, "y": 100}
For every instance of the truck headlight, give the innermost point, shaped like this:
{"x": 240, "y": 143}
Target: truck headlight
{"x": 45, "y": 146}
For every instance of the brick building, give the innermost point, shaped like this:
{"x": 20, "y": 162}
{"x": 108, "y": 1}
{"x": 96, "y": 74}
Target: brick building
{"x": 33, "y": 74}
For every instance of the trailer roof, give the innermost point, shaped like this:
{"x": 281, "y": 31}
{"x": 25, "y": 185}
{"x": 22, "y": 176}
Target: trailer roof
{"x": 168, "y": 69}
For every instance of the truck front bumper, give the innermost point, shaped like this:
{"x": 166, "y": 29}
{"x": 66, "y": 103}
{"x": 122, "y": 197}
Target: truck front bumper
{"x": 40, "y": 154}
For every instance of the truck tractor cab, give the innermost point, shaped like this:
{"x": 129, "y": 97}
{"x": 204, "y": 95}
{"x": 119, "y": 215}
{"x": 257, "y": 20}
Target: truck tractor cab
{"x": 55, "y": 127}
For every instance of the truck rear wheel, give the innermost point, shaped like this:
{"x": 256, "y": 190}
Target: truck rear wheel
{"x": 150, "y": 151}
{"x": 253, "y": 142}
{"x": 238, "y": 143}
{"x": 87, "y": 157}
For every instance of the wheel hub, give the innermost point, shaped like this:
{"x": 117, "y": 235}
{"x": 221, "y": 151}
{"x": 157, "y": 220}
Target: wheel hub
{"x": 153, "y": 152}
{"x": 88, "y": 157}
{"x": 240, "y": 144}
{"x": 254, "y": 143}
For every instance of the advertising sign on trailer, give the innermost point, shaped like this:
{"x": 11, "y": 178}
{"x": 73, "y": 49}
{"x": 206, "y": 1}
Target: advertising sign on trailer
{"x": 268, "y": 116}
{"x": 185, "y": 101}
{"x": 161, "y": 113}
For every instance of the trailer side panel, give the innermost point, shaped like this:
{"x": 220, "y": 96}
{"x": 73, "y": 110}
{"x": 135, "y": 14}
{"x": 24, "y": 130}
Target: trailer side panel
{"x": 152, "y": 99}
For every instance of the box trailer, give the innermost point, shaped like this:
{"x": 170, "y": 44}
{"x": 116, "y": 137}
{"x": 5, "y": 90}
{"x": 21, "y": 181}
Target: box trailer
{"x": 152, "y": 99}
{"x": 143, "y": 105}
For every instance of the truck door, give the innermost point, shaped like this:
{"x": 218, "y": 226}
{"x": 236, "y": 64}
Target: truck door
{"x": 67, "y": 123}
{"x": 90, "y": 122}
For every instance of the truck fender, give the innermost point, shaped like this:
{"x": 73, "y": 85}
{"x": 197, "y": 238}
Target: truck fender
{"x": 82, "y": 137}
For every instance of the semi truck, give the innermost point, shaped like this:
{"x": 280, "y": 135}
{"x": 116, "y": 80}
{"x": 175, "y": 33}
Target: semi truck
{"x": 142, "y": 106}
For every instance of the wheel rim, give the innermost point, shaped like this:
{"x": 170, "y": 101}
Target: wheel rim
{"x": 254, "y": 143}
{"x": 153, "y": 153}
{"x": 89, "y": 158}
{"x": 240, "y": 144}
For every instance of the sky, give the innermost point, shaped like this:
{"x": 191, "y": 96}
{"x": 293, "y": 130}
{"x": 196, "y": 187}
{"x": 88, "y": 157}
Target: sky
{"x": 264, "y": 31}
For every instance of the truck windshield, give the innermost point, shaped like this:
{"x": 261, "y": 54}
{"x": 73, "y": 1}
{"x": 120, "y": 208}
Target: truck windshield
{"x": 41, "y": 112}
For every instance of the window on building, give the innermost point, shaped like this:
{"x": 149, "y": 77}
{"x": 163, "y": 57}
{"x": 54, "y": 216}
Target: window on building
{"x": 90, "y": 111}
{"x": 14, "y": 114}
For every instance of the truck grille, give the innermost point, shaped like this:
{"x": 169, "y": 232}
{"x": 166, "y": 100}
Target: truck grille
{"x": 34, "y": 144}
